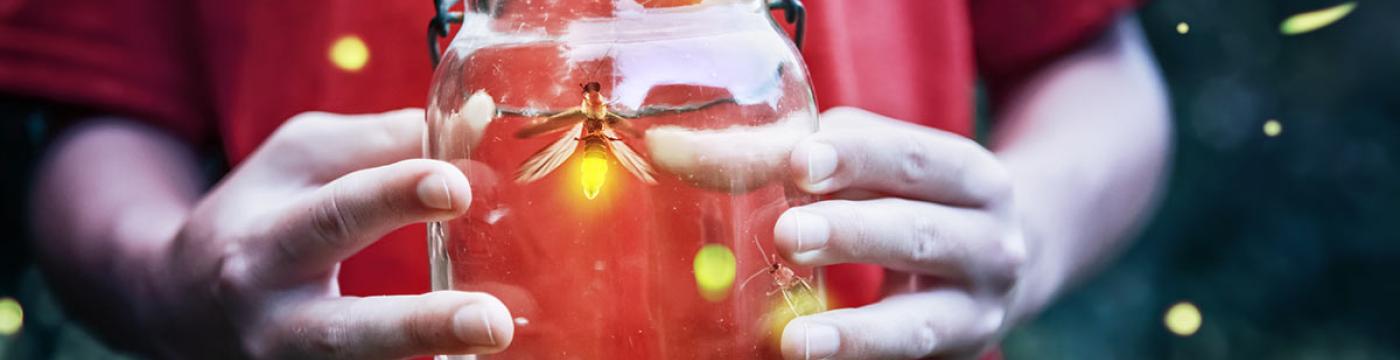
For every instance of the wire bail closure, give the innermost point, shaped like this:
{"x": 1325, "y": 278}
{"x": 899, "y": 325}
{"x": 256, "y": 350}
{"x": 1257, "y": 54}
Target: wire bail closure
{"x": 441, "y": 24}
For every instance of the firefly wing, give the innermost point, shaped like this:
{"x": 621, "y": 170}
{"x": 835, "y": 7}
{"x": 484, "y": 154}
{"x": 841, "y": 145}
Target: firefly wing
{"x": 551, "y": 124}
{"x": 629, "y": 159}
{"x": 549, "y": 158}
{"x": 624, "y": 125}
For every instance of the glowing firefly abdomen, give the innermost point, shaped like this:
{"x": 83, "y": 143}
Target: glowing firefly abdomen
{"x": 594, "y": 168}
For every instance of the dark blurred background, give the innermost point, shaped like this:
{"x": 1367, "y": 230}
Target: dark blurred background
{"x": 1286, "y": 244}
{"x": 1280, "y": 235}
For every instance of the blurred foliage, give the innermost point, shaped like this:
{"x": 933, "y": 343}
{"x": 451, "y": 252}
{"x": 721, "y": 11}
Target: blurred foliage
{"x": 1287, "y": 243}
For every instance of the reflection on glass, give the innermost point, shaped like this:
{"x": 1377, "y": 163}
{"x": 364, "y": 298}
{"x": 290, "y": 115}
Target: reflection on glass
{"x": 628, "y": 161}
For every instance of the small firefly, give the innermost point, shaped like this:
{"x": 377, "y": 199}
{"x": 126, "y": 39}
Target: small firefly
{"x": 595, "y": 129}
{"x": 785, "y": 281}
{"x": 1183, "y": 319}
{"x": 1272, "y": 128}
{"x": 1312, "y": 20}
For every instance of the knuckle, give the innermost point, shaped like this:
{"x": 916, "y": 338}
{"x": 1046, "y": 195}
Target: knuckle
{"x": 232, "y": 279}
{"x": 842, "y": 112}
{"x": 1008, "y": 258}
{"x": 928, "y": 240}
{"x": 309, "y": 119}
{"x": 991, "y": 324}
{"x": 849, "y": 118}
{"x": 1014, "y": 250}
{"x": 259, "y": 346}
{"x": 914, "y": 166}
{"x": 983, "y": 173}
{"x": 327, "y": 340}
{"x": 292, "y": 136}
{"x": 924, "y": 339}
{"x": 1014, "y": 246}
{"x": 296, "y": 127}
{"x": 329, "y": 222}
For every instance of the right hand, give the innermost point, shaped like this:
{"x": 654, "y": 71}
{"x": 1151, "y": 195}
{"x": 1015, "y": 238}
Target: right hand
{"x": 252, "y": 273}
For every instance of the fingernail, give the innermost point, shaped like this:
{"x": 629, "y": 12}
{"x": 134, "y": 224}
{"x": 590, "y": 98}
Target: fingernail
{"x": 433, "y": 192}
{"x": 821, "y": 163}
{"x": 806, "y": 231}
{"x": 473, "y": 326}
{"x": 819, "y": 341}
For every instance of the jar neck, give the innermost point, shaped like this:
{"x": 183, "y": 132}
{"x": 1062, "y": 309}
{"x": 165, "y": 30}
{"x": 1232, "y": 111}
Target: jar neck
{"x": 567, "y": 10}
{"x": 496, "y": 6}
{"x": 611, "y": 20}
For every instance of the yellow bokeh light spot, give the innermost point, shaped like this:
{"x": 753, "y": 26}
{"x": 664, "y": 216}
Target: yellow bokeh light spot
{"x": 11, "y": 316}
{"x": 714, "y": 271}
{"x": 1183, "y": 319}
{"x": 780, "y": 312}
{"x": 1316, "y": 19}
{"x": 594, "y": 170}
{"x": 1183, "y": 28}
{"x": 349, "y": 53}
{"x": 1272, "y": 128}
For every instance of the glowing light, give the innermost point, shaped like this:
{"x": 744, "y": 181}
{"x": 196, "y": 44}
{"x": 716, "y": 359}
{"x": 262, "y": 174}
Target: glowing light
{"x": 714, "y": 271}
{"x": 1183, "y": 28}
{"x": 11, "y": 316}
{"x": 1183, "y": 319}
{"x": 594, "y": 170}
{"x": 780, "y": 313}
{"x": 349, "y": 53}
{"x": 1316, "y": 19}
{"x": 1272, "y": 128}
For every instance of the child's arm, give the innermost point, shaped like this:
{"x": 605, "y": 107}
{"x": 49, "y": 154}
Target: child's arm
{"x": 1089, "y": 142}
{"x": 247, "y": 269}
{"x": 978, "y": 241}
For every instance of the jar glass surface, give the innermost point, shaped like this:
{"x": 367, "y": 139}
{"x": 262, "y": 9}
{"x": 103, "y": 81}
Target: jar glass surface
{"x": 628, "y": 161}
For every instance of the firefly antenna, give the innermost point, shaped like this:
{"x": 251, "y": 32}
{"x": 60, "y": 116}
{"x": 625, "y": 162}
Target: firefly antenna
{"x": 760, "y": 271}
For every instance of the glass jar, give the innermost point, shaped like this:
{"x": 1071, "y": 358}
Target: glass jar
{"x": 628, "y": 160}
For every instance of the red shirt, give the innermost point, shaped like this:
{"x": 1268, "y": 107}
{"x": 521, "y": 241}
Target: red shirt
{"x": 233, "y": 71}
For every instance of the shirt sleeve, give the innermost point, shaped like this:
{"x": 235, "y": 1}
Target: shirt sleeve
{"x": 131, "y": 58}
{"x": 1014, "y": 38}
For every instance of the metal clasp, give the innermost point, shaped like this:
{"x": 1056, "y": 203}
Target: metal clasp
{"x": 441, "y": 25}
{"x": 793, "y": 13}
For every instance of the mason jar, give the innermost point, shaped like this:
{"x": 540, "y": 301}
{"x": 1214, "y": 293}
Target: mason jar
{"x": 628, "y": 160}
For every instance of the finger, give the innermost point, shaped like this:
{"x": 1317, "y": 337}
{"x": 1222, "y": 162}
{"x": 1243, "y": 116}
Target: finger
{"x": 901, "y": 234}
{"x": 897, "y": 159}
{"x": 944, "y": 322}
{"x": 443, "y": 322}
{"x": 736, "y": 159}
{"x": 345, "y": 215}
{"x": 334, "y": 144}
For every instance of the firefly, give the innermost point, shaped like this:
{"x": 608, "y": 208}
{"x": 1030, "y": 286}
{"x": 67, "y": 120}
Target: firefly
{"x": 1316, "y": 19}
{"x": 786, "y": 282}
{"x": 594, "y": 128}
{"x": 1183, "y": 319}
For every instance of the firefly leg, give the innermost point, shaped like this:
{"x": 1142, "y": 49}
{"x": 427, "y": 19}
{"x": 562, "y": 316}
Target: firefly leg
{"x": 791, "y": 306}
{"x": 751, "y": 277}
{"x": 811, "y": 292}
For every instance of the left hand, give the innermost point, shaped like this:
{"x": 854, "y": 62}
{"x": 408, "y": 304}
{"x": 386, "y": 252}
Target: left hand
{"x": 934, "y": 208}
